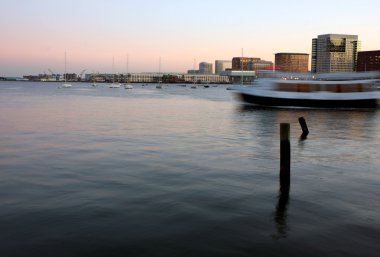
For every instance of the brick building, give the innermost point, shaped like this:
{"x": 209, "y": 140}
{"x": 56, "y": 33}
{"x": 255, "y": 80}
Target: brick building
{"x": 292, "y": 62}
{"x": 250, "y": 64}
{"x": 368, "y": 61}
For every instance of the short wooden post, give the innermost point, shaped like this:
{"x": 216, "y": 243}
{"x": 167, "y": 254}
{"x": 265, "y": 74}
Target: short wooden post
{"x": 284, "y": 157}
{"x": 305, "y": 130}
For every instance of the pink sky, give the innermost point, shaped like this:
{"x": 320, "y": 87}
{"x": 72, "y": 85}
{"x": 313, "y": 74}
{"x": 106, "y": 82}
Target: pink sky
{"x": 35, "y": 34}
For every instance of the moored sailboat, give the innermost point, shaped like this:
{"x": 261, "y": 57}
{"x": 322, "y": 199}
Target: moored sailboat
{"x": 66, "y": 85}
{"x": 114, "y": 84}
{"x": 127, "y": 85}
{"x": 159, "y": 85}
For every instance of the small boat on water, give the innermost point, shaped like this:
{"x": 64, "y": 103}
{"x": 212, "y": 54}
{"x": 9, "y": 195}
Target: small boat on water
{"x": 128, "y": 86}
{"x": 312, "y": 93}
{"x": 66, "y": 85}
{"x": 115, "y": 85}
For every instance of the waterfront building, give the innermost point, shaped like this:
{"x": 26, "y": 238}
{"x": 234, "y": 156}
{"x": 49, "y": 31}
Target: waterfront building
{"x": 250, "y": 64}
{"x": 205, "y": 68}
{"x": 368, "y": 61}
{"x": 222, "y": 65}
{"x": 206, "y": 78}
{"x": 71, "y": 76}
{"x": 239, "y": 76}
{"x": 193, "y": 72}
{"x": 45, "y": 77}
{"x": 292, "y": 62}
{"x": 334, "y": 53}
{"x": 154, "y": 77}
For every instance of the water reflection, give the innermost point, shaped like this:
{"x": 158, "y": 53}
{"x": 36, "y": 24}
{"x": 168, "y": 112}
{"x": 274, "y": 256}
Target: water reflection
{"x": 280, "y": 216}
{"x": 172, "y": 171}
{"x": 251, "y": 108}
{"x": 355, "y": 122}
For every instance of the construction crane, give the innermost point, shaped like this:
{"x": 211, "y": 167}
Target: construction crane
{"x": 44, "y": 75}
{"x": 52, "y": 75}
{"x": 81, "y": 74}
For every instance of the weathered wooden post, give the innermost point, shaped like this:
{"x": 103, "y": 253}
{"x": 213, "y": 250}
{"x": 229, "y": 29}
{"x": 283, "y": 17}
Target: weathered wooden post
{"x": 284, "y": 157}
{"x": 305, "y": 130}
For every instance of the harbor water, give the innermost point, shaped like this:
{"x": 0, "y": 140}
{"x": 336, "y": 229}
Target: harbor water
{"x": 95, "y": 171}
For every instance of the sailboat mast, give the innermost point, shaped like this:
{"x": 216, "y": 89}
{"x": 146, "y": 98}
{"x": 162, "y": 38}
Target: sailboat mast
{"x": 159, "y": 69}
{"x": 113, "y": 69}
{"x": 194, "y": 72}
{"x": 65, "y": 68}
{"x": 242, "y": 56}
{"x": 127, "y": 64}
{"x": 65, "y": 84}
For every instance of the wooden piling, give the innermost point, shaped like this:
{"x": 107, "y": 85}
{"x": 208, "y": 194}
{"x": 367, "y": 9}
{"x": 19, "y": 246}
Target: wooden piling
{"x": 284, "y": 157}
{"x": 305, "y": 130}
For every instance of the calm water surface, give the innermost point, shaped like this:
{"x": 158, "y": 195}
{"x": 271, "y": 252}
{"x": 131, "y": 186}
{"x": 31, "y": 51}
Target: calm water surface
{"x": 180, "y": 172}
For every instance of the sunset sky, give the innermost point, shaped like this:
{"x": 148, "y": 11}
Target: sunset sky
{"x": 36, "y": 33}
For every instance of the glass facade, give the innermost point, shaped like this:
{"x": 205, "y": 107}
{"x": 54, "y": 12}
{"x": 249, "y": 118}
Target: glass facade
{"x": 337, "y": 45}
{"x": 314, "y": 56}
{"x": 334, "y": 53}
{"x": 222, "y": 65}
{"x": 292, "y": 62}
{"x": 205, "y": 68}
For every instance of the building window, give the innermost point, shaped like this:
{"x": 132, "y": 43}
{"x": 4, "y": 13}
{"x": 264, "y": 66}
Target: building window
{"x": 337, "y": 45}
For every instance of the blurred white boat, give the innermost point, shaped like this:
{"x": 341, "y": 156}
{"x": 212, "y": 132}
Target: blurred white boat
{"x": 312, "y": 93}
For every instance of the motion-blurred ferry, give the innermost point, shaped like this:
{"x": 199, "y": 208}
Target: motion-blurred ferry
{"x": 333, "y": 93}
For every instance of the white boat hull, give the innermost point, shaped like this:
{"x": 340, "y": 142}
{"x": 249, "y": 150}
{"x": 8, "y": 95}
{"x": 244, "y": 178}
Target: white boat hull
{"x": 115, "y": 85}
{"x": 66, "y": 85}
{"x": 347, "y": 94}
{"x": 316, "y": 102}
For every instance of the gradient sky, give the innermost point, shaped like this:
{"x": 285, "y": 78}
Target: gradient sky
{"x": 34, "y": 34}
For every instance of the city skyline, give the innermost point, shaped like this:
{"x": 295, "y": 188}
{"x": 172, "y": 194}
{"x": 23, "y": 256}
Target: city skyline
{"x": 35, "y": 34}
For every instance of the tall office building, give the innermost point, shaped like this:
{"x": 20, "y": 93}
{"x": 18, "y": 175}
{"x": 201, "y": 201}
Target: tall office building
{"x": 334, "y": 53}
{"x": 292, "y": 62}
{"x": 222, "y": 65}
{"x": 205, "y": 68}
